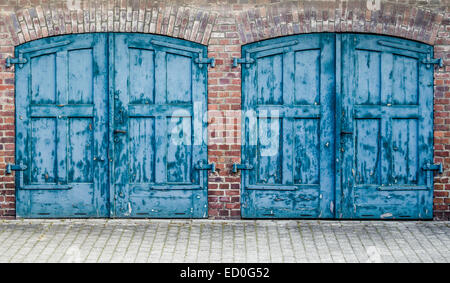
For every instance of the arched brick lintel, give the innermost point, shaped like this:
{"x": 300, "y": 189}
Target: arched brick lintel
{"x": 254, "y": 22}
{"x": 193, "y": 24}
{"x": 394, "y": 19}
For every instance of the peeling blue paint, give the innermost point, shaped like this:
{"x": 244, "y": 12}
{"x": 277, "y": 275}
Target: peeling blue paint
{"x": 98, "y": 118}
{"x": 354, "y": 128}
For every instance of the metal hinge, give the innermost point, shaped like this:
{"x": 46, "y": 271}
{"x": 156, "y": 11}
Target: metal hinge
{"x": 20, "y": 61}
{"x": 435, "y": 61}
{"x": 200, "y": 60}
{"x": 15, "y": 167}
{"x": 247, "y": 61}
{"x": 237, "y": 167}
{"x": 433, "y": 167}
{"x": 202, "y": 166}
{"x": 20, "y": 180}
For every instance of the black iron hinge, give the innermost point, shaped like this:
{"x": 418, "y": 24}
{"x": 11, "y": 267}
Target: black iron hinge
{"x": 21, "y": 61}
{"x": 237, "y": 167}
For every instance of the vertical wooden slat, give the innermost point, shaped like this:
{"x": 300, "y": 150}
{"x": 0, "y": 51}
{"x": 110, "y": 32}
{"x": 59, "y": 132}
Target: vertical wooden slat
{"x": 425, "y": 138}
{"x": 326, "y": 141}
{"x": 287, "y": 128}
{"x": 249, "y": 134}
{"x": 62, "y": 121}
{"x": 347, "y": 129}
{"x": 337, "y": 133}
{"x": 111, "y": 97}
{"x": 199, "y": 146}
{"x": 23, "y": 134}
{"x": 161, "y": 121}
{"x": 386, "y": 69}
{"x": 121, "y": 124}
{"x": 100, "y": 127}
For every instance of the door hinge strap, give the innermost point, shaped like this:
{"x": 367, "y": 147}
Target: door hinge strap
{"x": 21, "y": 60}
{"x": 202, "y": 166}
{"x": 15, "y": 167}
{"x": 436, "y": 61}
{"x": 247, "y": 61}
{"x": 402, "y": 46}
{"x": 237, "y": 167}
{"x": 211, "y": 61}
{"x": 10, "y": 61}
{"x": 433, "y": 167}
{"x": 200, "y": 60}
{"x": 176, "y": 46}
{"x": 20, "y": 184}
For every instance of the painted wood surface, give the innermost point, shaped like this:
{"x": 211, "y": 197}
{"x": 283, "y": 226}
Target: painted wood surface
{"x": 156, "y": 85}
{"x": 387, "y": 128}
{"x": 350, "y": 117}
{"x": 62, "y": 127}
{"x": 288, "y": 104}
{"x": 105, "y": 125}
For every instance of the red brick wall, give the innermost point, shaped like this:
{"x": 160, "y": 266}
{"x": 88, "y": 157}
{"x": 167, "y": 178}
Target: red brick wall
{"x": 224, "y": 25}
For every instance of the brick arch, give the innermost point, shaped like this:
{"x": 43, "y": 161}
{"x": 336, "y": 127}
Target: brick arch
{"x": 175, "y": 20}
{"x": 297, "y": 17}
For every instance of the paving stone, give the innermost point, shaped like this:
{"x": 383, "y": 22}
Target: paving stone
{"x": 222, "y": 241}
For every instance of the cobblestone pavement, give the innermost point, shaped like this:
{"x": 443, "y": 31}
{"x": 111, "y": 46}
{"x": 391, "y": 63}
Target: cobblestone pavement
{"x": 223, "y": 241}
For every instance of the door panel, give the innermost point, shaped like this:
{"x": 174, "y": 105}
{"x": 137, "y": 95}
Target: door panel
{"x": 377, "y": 147}
{"x": 156, "y": 131}
{"x": 135, "y": 150}
{"x": 61, "y": 127}
{"x": 386, "y": 128}
{"x": 288, "y": 102}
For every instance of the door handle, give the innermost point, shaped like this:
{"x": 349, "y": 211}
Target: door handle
{"x": 119, "y": 132}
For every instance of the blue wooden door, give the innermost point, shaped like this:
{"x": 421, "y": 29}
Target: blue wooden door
{"x": 62, "y": 127}
{"x": 386, "y": 128}
{"x": 159, "y": 104}
{"x": 288, "y": 127}
{"x": 111, "y": 125}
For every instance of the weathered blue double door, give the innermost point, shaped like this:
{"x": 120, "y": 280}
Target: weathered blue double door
{"x": 337, "y": 126}
{"x": 111, "y": 125}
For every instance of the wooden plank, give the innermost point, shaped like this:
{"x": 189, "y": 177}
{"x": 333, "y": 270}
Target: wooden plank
{"x": 61, "y": 110}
